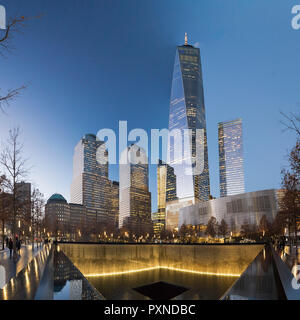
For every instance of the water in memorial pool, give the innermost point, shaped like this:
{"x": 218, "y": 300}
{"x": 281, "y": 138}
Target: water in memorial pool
{"x": 161, "y": 271}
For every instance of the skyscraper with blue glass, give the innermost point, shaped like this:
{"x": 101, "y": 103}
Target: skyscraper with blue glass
{"x": 231, "y": 160}
{"x": 187, "y": 111}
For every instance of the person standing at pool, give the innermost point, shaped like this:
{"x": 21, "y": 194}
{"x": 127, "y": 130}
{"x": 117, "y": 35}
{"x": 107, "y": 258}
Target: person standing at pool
{"x": 19, "y": 246}
{"x": 10, "y": 247}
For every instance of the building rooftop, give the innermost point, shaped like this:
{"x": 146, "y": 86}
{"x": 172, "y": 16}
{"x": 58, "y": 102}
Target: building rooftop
{"x": 57, "y": 198}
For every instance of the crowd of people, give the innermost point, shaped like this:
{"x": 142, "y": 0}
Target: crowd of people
{"x": 10, "y": 245}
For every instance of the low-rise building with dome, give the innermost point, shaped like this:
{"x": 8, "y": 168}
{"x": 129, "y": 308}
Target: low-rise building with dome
{"x": 57, "y": 215}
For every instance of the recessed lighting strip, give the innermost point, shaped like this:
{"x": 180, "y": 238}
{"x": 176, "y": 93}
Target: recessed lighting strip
{"x": 161, "y": 267}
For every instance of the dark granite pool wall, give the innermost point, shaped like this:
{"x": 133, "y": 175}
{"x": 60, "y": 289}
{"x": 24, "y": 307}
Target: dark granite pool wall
{"x": 66, "y": 272}
{"x": 101, "y": 258}
{"x": 260, "y": 281}
{"x": 61, "y": 280}
{"x": 45, "y": 288}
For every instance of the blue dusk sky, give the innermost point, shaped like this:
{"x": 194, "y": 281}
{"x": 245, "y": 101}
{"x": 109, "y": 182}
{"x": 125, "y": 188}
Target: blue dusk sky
{"x": 90, "y": 63}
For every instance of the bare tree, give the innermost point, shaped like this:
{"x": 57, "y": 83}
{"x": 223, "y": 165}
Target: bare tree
{"x": 183, "y": 232}
{"x": 14, "y": 165}
{"x": 291, "y": 122}
{"x": 6, "y": 36}
{"x": 278, "y": 225}
{"x": 290, "y": 202}
{"x": 10, "y": 95}
{"x": 211, "y": 228}
{"x": 294, "y": 160}
{"x": 167, "y": 234}
{"x": 223, "y": 229}
{"x": 249, "y": 230}
{"x": 2, "y": 180}
{"x": 15, "y": 25}
{"x": 264, "y": 226}
{"x": 37, "y": 206}
{"x": 5, "y": 206}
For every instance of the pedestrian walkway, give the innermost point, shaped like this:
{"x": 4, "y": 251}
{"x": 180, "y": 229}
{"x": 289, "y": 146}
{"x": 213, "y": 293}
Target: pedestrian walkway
{"x": 26, "y": 283}
{"x": 9, "y": 267}
{"x": 289, "y": 256}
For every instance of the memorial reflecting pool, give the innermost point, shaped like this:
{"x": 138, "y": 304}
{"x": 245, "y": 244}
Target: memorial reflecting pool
{"x": 160, "y": 271}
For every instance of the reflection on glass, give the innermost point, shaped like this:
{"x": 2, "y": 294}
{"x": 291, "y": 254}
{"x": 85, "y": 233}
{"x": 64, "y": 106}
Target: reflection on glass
{"x": 187, "y": 111}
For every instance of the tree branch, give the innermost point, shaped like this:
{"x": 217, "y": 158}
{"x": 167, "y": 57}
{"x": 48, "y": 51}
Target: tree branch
{"x": 293, "y": 122}
{"x": 11, "y": 95}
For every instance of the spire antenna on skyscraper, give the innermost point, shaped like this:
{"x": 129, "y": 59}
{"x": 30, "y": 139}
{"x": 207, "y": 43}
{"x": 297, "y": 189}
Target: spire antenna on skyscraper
{"x": 185, "y": 39}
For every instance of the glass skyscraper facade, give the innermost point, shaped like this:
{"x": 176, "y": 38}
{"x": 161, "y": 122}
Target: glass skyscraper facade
{"x": 187, "y": 111}
{"x": 135, "y": 198}
{"x": 166, "y": 192}
{"x": 114, "y": 209}
{"x": 91, "y": 186}
{"x": 231, "y": 160}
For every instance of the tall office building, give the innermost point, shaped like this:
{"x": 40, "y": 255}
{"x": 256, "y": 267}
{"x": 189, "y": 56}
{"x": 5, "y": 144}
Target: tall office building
{"x": 187, "y": 111}
{"x": 231, "y": 160}
{"x": 77, "y": 223}
{"x": 91, "y": 186}
{"x": 23, "y": 192}
{"x": 166, "y": 191}
{"x": 135, "y": 198}
{"x": 114, "y": 209}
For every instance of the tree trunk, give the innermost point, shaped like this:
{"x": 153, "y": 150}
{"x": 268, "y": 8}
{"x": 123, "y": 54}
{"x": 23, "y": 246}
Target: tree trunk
{"x": 3, "y": 235}
{"x": 295, "y": 226}
{"x": 32, "y": 238}
{"x": 14, "y": 229}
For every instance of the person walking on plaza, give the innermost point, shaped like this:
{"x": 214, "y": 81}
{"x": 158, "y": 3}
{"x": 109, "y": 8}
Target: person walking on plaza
{"x": 10, "y": 247}
{"x": 18, "y": 246}
{"x": 7, "y": 241}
